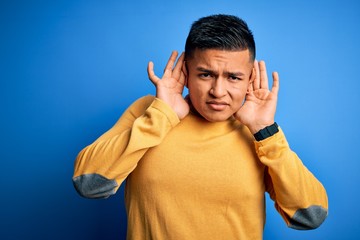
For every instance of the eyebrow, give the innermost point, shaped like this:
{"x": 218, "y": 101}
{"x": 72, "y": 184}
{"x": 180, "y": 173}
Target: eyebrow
{"x": 202, "y": 69}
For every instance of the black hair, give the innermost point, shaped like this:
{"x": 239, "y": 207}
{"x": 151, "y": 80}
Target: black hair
{"x": 222, "y": 32}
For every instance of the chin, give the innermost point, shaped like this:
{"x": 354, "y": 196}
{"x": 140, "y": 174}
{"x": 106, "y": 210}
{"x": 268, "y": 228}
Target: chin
{"x": 216, "y": 117}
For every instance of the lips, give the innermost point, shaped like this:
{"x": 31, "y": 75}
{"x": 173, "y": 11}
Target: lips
{"x": 217, "y": 105}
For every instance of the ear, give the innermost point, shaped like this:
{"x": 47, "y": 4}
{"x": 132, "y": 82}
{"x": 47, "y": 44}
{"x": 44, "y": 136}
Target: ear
{"x": 252, "y": 75}
{"x": 251, "y": 81}
{"x": 184, "y": 69}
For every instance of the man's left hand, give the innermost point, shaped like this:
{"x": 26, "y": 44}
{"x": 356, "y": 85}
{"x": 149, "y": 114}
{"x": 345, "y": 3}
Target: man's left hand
{"x": 258, "y": 110}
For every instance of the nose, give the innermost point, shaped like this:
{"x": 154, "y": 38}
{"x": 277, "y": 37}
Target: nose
{"x": 218, "y": 88}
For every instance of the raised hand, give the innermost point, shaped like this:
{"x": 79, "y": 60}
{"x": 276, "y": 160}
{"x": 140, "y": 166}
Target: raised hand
{"x": 170, "y": 87}
{"x": 258, "y": 110}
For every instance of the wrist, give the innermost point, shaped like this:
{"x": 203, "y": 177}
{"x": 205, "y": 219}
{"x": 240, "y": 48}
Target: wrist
{"x": 256, "y": 128}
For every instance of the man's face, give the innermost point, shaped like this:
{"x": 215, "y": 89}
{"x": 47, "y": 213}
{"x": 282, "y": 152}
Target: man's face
{"x": 217, "y": 81}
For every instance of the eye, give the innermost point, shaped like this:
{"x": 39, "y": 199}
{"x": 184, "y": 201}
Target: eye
{"x": 205, "y": 75}
{"x": 234, "y": 78}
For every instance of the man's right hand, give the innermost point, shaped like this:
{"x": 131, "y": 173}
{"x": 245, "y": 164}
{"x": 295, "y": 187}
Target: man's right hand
{"x": 170, "y": 87}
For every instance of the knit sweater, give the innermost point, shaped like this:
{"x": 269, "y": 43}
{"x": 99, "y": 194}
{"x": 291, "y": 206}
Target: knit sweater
{"x": 194, "y": 179}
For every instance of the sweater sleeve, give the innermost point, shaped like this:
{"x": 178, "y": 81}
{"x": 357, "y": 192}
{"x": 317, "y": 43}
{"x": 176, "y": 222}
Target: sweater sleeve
{"x": 101, "y": 167}
{"x": 299, "y": 197}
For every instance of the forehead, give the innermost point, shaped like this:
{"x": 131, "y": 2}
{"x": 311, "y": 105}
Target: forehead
{"x": 221, "y": 59}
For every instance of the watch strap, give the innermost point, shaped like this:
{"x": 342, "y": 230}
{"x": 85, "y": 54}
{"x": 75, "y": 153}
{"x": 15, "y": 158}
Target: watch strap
{"x": 266, "y": 132}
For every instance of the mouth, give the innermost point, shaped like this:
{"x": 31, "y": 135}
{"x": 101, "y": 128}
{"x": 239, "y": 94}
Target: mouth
{"x": 217, "y": 105}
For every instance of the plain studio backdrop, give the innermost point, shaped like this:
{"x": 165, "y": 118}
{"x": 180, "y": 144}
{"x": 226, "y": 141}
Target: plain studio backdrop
{"x": 69, "y": 69}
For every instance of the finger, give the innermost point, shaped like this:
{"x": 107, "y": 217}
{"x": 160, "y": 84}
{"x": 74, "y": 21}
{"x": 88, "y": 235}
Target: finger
{"x": 150, "y": 69}
{"x": 256, "y": 82}
{"x": 169, "y": 66}
{"x": 264, "y": 82}
{"x": 177, "y": 69}
{"x": 276, "y": 84}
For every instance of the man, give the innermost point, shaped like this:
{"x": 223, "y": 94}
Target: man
{"x": 198, "y": 167}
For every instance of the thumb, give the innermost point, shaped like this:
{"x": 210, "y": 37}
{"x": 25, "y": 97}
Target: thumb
{"x": 150, "y": 70}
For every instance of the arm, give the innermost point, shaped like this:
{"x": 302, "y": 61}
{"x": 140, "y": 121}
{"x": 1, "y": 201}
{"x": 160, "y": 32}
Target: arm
{"x": 299, "y": 197}
{"x": 101, "y": 167}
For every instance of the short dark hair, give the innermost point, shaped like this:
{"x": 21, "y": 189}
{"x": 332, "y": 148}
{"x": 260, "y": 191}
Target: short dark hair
{"x": 222, "y": 32}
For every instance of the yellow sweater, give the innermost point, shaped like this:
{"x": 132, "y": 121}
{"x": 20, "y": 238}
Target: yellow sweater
{"x": 193, "y": 179}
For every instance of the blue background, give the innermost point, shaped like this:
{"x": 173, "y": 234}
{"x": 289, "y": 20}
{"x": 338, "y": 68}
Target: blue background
{"x": 68, "y": 70}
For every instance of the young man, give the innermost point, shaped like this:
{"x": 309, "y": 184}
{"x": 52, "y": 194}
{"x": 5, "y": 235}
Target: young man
{"x": 198, "y": 168}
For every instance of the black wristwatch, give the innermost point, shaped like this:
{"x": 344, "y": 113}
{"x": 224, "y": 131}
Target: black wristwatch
{"x": 266, "y": 132}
